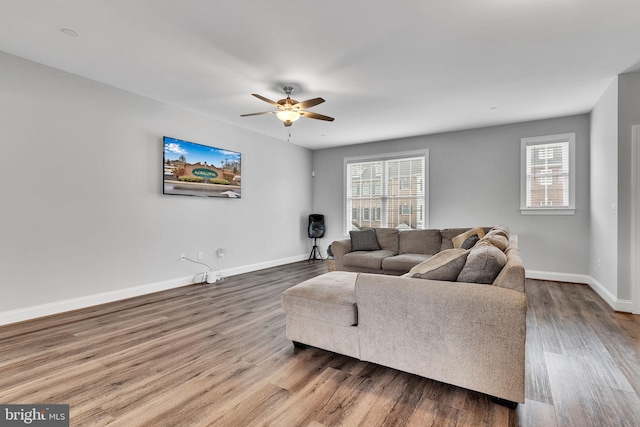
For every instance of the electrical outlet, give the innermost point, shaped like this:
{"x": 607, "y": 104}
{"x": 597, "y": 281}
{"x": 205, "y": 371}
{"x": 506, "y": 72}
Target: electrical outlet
{"x": 200, "y": 255}
{"x": 220, "y": 252}
{"x": 183, "y": 257}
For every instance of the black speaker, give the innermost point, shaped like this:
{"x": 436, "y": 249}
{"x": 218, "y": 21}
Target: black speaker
{"x": 316, "y": 226}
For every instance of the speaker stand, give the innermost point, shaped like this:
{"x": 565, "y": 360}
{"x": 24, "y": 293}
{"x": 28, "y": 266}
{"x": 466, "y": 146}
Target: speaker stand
{"x": 315, "y": 251}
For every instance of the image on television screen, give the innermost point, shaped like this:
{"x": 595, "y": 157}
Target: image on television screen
{"x": 192, "y": 169}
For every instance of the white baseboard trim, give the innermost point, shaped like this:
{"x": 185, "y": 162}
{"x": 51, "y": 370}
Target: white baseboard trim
{"x": 28, "y": 313}
{"x": 262, "y": 265}
{"x": 62, "y": 306}
{"x": 56, "y": 307}
{"x": 616, "y": 304}
{"x": 557, "y": 277}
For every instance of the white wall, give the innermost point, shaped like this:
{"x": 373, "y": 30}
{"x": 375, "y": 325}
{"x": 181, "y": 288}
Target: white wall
{"x": 475, "y": 180}
{"x": 603, "y": 254}
{"x": 82, "y": 206}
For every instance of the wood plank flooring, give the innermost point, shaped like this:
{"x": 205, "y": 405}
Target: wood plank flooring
{"x": 216, "y": 355}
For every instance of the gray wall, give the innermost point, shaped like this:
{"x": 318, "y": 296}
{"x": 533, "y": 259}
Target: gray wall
{"x": 82, "y": 205}
{"x": 603, "y": 254}
{"x": 475, "y": 180}
{"x": 83, "y": 213}
{"x": 628, "y": 115}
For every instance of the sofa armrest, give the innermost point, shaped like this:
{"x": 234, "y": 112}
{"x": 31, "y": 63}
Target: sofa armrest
{"x": 339, "y": 249}
{"x": 465, "y": 334}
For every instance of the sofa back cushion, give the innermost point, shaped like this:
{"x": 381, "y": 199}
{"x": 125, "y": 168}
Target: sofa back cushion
{"x": 512, "y": 275}
{"x": 461, "y": 239}
{"x": 448, "y": 234}
{"x": 388, "y": 239}
{"x": 498, "y": 239}
{"x": 425, "y": 242}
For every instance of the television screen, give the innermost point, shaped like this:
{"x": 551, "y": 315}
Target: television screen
{"x": 192, "y": 169}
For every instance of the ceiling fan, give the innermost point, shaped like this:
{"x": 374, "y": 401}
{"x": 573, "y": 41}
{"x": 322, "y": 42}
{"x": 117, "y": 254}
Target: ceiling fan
{"x": 290, "y": 110}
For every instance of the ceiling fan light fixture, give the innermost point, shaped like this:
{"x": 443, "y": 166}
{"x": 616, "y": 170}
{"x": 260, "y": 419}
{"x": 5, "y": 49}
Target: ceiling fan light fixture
{"x": 288, "y": 115}
{"x": 290, "y": 110}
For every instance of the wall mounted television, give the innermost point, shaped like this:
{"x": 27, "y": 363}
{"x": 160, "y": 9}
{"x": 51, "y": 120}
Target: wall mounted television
{"x": 191, "y": 169}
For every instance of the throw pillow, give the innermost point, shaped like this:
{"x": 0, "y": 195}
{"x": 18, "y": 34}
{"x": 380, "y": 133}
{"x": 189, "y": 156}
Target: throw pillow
{"x": 502, "y": 228}
{"x": 364, "y": 240}
{"x": 497, "y": 239}
{"x": 470, "y": 242}
{"x": 445, "y": 265}
{"x": 460, "y": 238}
{"x": 483, "y": 264}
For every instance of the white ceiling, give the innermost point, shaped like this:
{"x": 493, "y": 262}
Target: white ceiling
{"x": 386, "y": 69}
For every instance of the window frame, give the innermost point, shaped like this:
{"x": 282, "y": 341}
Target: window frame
{"x": 569, "y": 138}
{"x": 385, "y": 157}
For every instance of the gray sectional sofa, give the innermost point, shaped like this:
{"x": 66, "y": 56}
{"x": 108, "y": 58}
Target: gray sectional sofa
{"x": 470, "y": 335}
{"x": 399, "y": 250}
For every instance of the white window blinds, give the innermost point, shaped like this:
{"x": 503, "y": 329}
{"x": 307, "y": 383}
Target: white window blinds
{"x": 548, "y": 183}
{"x": 548, "y": 175}
{"x": 385, "y": 193}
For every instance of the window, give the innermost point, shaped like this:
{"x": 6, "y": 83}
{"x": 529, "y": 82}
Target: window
{"x": 405, "y": 183}
{"x": 548, "y": 174}
{"x": 396, "y": 191}
{"x": 365, "y": 215}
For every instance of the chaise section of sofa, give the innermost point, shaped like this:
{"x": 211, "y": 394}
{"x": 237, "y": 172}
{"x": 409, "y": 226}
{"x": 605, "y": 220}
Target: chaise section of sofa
{"x": 322, "y": 312}
{"x": 468, "y": 335}
{"x": 471, "y": 335}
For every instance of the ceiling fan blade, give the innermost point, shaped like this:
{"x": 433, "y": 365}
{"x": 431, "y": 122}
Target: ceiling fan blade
{"x": 309, "y": 103}
{"x": 257, "y": 114}
{"x": 267, "y": 100}
{"x": 310, "y": 115}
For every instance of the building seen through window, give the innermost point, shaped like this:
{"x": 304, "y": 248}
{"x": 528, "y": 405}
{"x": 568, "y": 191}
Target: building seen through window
{"x": 548, "y": 175}
{"x": 386, "y": 193}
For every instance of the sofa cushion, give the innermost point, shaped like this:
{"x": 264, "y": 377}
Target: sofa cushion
{"x": 498, "y": 239}
{"x": 460, "y": 238}
{"x": 366, "y": 260}
{"x": 420, "y": 242}
{"x": 329, "y": 297}
{"x": 403, "y": 262}
{"x": 445, "y": 265}
{"x": 364, "y": 240}
{"x": 483, "y": 264}
{"x": 512, "y": 275}
{"x": 448, "y": 234}
{"x": 388, "y": 239}
{"x": 502, "y": 228}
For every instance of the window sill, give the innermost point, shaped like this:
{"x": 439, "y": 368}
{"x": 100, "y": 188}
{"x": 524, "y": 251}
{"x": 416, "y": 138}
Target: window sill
{"x": 547, "y": 211}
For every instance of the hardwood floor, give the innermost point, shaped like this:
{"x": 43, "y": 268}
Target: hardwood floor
{"x": 216, "y": 355}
